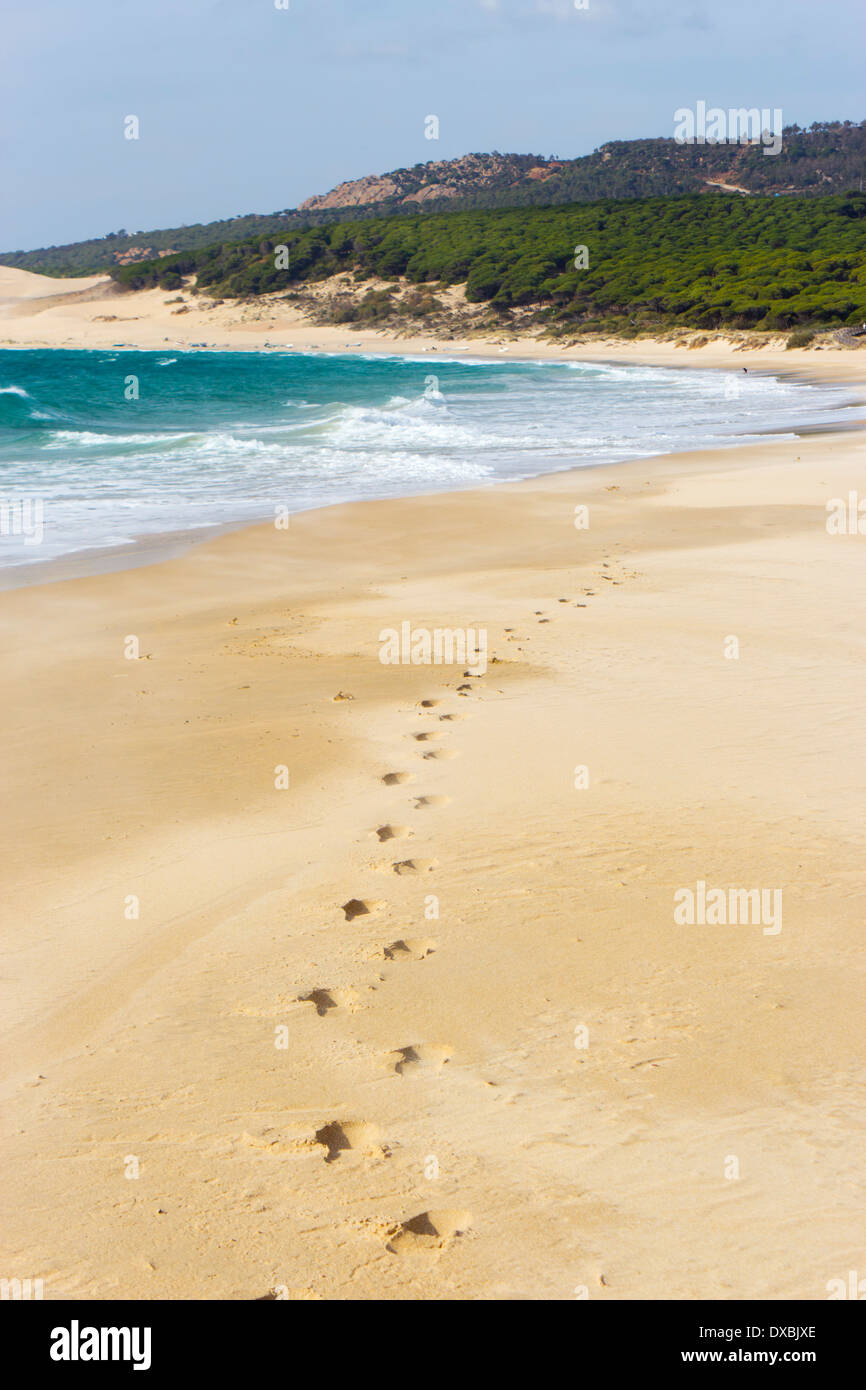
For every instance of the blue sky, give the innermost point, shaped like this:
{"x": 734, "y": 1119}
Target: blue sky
{"x": 244, "y": 107}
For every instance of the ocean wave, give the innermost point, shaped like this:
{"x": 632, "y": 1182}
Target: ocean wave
{"x": 426, "y": 358}
{"x": 225, "y": 442}
{"x": 230, "y": 444}
{"x": 418, "y": 424}
{"x": 89, "y": 438}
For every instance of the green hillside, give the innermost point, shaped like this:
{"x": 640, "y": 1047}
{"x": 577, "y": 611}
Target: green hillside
{"x": 705, "y": 262}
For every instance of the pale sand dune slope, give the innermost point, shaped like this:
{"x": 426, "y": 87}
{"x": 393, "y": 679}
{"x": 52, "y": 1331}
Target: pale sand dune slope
{"x": 430, "y": 1129}
{"x": 23, "y": 284}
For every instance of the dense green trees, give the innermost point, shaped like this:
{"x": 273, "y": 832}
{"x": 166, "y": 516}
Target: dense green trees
{"x": 696, "y": 260}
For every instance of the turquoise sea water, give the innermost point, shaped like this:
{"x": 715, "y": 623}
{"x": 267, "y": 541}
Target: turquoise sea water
{"x": 219, "y": 437}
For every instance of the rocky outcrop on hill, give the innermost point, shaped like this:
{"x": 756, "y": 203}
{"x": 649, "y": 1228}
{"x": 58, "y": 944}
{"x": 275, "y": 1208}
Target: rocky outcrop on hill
{"x": 444, "y": 178}
{"x": 140, "y": 253}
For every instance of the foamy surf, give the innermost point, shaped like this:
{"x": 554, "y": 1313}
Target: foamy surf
{"x": 233, "y": 437}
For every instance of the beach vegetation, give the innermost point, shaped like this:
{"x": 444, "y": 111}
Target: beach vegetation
{"x": 710, "y": 263}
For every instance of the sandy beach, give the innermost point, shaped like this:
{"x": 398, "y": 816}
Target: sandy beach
{"x": 334, "y": 979}
{"x": 433, "y": 617}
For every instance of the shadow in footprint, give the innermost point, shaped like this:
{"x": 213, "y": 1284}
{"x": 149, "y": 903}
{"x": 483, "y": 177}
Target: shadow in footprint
{"x": 411, "y": 948}
{"x": 430, "y": 1056}
{"x": 340, "y": 1136}
{"x": 357, "y": 907}
{"x": 396, "y": 779}
{"x": 393, "y": 832}
{"x": 327, "y": 999}
{"x": 415, "y": 866}
{"x": 429, "y": 1230}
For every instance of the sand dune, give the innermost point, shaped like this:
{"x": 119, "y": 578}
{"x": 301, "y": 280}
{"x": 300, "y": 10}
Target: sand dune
{"x": 22, "y": 285}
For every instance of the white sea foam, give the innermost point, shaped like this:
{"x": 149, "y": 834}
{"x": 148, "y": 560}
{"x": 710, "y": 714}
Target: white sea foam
{"x": 62, "y": 439}
{"x": 345, "y": 427}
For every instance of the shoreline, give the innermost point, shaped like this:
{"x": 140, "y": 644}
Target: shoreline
{"x": 158, "y": 547}
{"x": 719, "y": 353}
{"x": 152, "y": 548}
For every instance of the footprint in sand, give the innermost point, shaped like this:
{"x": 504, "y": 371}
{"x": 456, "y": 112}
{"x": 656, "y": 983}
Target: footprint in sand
{"x": 421, "y": 1057}
{"x": 428, "y": 736}
{"x": 359, "y": 907}
{"x": 341, "y": 1135}
{"x": 327, "y": 999}
{"x": 430, "y": 704}
{"x": 394, "y": 832}
{"x": 429, "y": 802}
{"x": 415, "y": 866}
{"x": 411, "y": 948}
{"x": 450, "y": 718}
{"x": 429, "y": 1231}
{"x": 397, "y": 779}
{"x": 441, "y": 754}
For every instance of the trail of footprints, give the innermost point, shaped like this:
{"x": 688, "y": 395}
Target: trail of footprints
{"x": 432, "y": 1231}
{"x": 428, "y": 1231}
